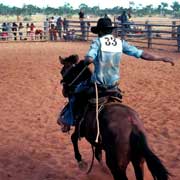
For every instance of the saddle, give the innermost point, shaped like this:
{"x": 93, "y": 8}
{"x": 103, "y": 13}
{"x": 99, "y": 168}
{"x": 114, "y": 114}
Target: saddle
{"x": 104, "y": 97}
{"x": 104, "y": 100}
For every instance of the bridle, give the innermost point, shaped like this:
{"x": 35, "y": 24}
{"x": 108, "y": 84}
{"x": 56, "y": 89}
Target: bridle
{"x": 64, "y": 75}
{"x": 75, "y": 79}
{"x": 68, "y": 70}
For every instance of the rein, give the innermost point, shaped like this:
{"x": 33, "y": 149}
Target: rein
{"x": 66, "y": 73}
{"x": 75, "y": 79}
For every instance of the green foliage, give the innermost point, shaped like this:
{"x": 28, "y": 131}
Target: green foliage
{"x": 67, "y": 10}
{"x": 176, "y": 9}
{"x": 175, "y": 6}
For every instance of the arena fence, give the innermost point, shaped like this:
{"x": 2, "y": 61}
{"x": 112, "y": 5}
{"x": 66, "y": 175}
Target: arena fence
{"x": 146, "y": 34}
{"x": 151, "y": 35}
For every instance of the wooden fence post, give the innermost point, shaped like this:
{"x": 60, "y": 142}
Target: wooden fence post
{"x": 149, "y": 35}
{"x": 123, "y": 32}
{"x": 173, "y": 28}
{"x": 178, "y": 38}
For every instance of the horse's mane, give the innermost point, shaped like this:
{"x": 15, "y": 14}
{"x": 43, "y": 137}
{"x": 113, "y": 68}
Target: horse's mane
{"x": 82, "y": 68}
{"x": 76, "y": 67}
{"x": 72, "y": 59}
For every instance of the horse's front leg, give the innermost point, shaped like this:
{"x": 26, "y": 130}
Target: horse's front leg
{"x": 98, "y": 154}
{"x": 74, "y": 138}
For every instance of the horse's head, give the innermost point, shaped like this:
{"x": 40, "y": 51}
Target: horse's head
{"x": 68, "y": 63}
{"x": 73, "y": 72}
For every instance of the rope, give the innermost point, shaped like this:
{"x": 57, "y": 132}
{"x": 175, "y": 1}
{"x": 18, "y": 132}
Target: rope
{"x": 97, "y": 119}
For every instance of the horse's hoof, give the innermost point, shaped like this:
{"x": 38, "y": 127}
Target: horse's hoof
{"x": 83, "y": 165}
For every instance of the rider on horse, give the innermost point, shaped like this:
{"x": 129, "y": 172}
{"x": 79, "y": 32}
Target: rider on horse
{"x": 104, "y": 56}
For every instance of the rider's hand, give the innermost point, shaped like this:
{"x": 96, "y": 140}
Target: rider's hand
{"x": 168, "y": 60}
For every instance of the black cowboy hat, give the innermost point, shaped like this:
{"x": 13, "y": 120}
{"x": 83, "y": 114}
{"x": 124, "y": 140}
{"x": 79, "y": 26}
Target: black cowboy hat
{"x": 102, "y": 24}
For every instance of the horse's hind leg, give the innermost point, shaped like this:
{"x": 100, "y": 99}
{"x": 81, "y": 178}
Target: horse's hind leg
{"x": 138, "y": 165}
{"x": 118, "y": 171}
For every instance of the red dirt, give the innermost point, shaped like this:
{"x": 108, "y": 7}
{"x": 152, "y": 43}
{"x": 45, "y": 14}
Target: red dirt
{"x": 33, "y": 148}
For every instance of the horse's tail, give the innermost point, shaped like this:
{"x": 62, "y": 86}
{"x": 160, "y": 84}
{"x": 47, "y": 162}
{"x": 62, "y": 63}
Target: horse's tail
{"x": 140, "y": 147}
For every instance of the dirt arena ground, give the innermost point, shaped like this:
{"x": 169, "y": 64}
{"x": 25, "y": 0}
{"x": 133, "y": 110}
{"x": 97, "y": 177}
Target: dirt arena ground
{"x": 32, "y": 146}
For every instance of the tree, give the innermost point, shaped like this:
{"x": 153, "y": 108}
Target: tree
{"x": 163, "y": 8}
{"x": 159, "y": 9}
{"x": 148, "y": 9}
{"x": 83, "y": 6}
{"x": 67, "y": 8}
{"x": 116, "y": 10}
{"x": 95, "y": 10}
{"x": 49, "y": 10}
{"x": 4, "y": 10}
{"x": 176, "y": 7}
{"x": 131, "y": 5}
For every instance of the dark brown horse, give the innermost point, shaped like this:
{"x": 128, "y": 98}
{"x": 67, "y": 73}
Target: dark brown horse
{"x": 122, "y": 135}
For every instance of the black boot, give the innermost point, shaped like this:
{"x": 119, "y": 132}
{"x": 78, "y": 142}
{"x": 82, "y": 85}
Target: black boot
{"x": 66, "y": 128}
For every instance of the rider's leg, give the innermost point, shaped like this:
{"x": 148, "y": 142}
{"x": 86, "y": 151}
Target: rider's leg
{"x": 66, "y": 118}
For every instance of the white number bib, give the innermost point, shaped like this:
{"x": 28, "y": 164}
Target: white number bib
{"x": 110, "y": 44}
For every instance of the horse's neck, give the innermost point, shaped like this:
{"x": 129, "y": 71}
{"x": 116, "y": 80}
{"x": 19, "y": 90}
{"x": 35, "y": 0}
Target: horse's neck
{"x": 82, "y": 71}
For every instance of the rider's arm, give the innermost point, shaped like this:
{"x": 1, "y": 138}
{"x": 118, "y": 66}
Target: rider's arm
{"x": 150, "y": 57}
{"x": 138, "y": 53}
{"x": 89, "y": 62}
{"x": 92, "y": 54}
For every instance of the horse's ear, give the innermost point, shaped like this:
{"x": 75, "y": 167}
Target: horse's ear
{"x": 61, "y": 60}
{"x": 77, "y": 58}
